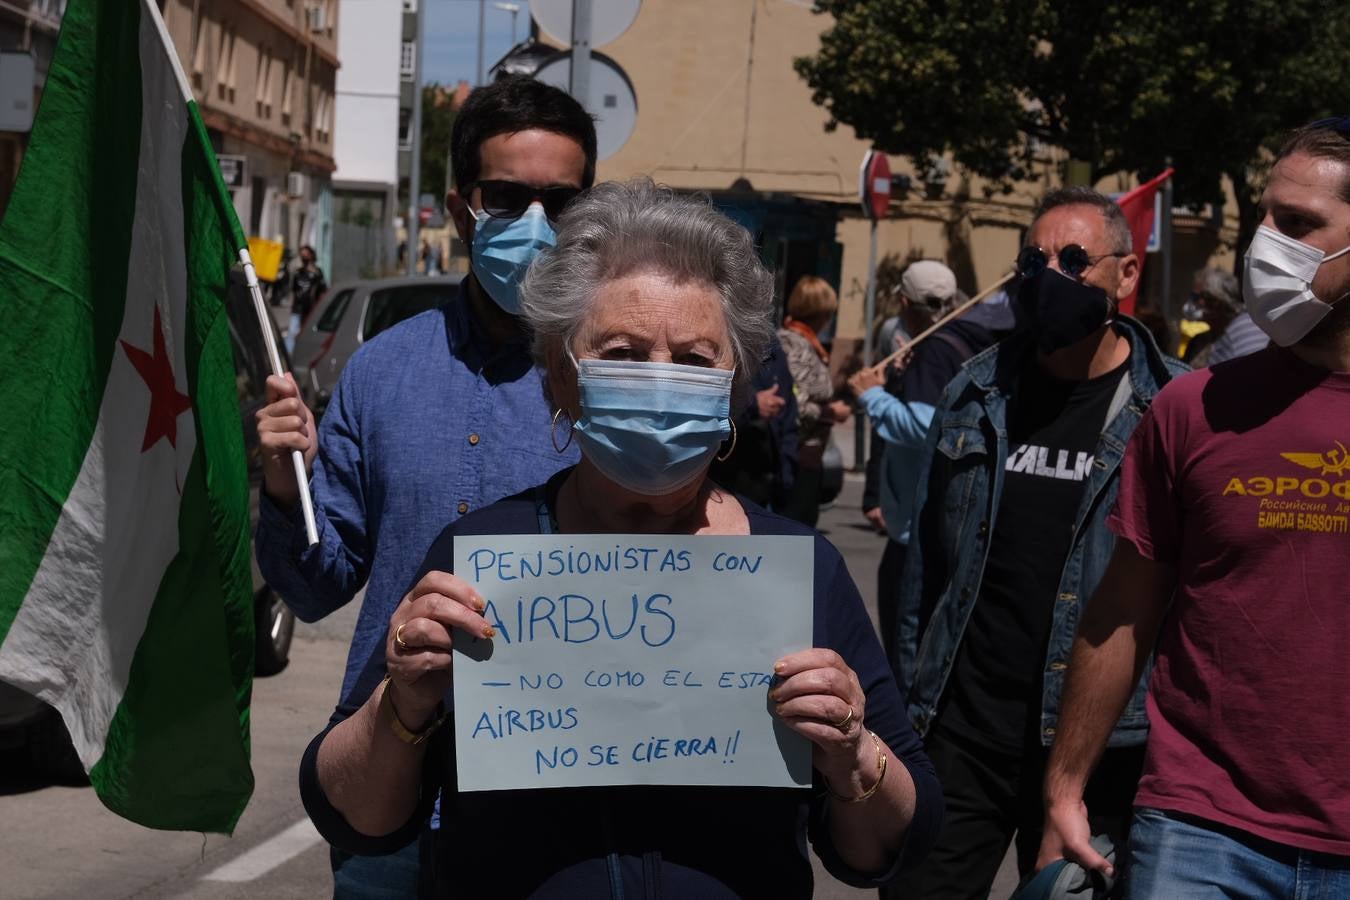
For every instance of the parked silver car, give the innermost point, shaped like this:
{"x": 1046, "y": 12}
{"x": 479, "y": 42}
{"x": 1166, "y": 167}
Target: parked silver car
{"x": 351, "y": 314}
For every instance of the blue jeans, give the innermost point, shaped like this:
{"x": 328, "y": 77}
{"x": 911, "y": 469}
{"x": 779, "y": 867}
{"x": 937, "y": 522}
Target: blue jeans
{"x": 392, "y": 877}
{"x": 1175, "y": 857}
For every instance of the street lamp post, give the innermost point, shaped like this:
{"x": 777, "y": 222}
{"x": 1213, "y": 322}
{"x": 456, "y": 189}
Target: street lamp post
{"x": 514, "y": 10}
{"x": 415, "y": 167}
{"x": 482, "y": 19}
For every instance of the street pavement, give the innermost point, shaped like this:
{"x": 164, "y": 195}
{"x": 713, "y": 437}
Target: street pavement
{"x": 59, "y": 841}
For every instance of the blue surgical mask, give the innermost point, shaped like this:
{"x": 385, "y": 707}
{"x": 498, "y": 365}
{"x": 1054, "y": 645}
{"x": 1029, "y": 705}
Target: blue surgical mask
{"x": 504, "y": 248}
{"x": 652, "y": 427}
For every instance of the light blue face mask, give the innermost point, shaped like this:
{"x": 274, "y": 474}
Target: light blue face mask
{"x": 652, "y": 427}
{"x": 504, "y": 248}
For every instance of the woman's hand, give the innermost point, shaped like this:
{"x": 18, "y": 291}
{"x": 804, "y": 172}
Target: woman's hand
{"x": 839, "y": 410}
{"x": 866, "y": 378}
{"x": 820, "y": 698}
{"x": 417, "y": 648}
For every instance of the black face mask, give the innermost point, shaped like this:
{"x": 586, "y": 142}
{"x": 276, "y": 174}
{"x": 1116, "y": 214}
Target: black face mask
{"x": 1060, "y": 310}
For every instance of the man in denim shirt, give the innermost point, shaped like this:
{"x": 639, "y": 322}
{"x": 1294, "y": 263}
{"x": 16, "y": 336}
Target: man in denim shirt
{"x": 1020, "y": 469}
{"x": 439, "y": 415}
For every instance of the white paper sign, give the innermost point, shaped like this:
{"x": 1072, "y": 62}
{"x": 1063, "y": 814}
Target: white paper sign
{"x": 630, "y": 659}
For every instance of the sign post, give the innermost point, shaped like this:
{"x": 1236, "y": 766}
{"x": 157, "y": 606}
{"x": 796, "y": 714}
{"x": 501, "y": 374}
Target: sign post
{"x": 874, "y": 192}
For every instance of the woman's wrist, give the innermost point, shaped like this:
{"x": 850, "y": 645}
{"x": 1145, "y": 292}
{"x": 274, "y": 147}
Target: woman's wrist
{"x": 413, "y": 716}
{"x": 855, "y": 773}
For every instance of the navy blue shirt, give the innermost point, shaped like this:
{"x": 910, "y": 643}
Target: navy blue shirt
{"x": 658, "y": 841}
{"x": 429, "y": 420}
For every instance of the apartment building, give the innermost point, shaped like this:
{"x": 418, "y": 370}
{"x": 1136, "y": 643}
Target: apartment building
{"x": 264, "y": 73}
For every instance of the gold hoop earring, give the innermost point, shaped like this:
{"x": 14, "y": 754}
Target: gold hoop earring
{"x": 723, "y": 457}
{"x": 553, "y": 432}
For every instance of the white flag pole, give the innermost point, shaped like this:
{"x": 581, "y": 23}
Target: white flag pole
{"x": 250, "y": 275}
{"x": 274, "y": 357}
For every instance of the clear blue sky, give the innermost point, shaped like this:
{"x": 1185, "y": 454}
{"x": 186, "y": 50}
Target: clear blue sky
{"x": 451, "y": 51}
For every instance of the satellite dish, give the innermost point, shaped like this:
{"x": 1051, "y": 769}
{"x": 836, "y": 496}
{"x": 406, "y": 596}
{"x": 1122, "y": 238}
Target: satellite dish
{"x": 609, "y": 19}
{"x": 612, "y": 100}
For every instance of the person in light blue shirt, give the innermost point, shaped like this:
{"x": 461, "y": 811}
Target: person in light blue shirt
{"x": 901, "y": 406}
{"x": 439, "y": 415}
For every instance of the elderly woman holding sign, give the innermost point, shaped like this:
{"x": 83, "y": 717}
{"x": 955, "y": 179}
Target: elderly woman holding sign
{"x": 649, "y": 317}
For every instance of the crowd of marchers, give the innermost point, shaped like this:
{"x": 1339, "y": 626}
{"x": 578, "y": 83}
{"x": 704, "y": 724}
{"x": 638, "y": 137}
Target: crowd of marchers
{"x": 1092, "y": 646}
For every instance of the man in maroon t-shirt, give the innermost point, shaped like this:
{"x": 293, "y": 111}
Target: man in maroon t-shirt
{"x": 1233, "y": 522}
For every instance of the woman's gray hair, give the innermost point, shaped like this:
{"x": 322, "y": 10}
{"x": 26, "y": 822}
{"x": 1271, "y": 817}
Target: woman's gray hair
{"x": 621, "y": 228}
{"x": 1220, "y": 286}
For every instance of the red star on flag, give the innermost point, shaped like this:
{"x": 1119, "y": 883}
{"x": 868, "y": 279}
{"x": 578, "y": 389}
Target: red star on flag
{"x": 166, "y": 403}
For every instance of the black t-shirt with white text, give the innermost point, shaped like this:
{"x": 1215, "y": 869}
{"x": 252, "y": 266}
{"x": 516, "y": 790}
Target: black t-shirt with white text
{"x": 1053, "y": 430}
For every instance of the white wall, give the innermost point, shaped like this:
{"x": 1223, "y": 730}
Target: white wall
{"x": 365, "y": 130}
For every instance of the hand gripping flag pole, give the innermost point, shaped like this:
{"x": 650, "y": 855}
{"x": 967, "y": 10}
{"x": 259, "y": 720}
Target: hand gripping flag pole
{"x": 274, "y": 356}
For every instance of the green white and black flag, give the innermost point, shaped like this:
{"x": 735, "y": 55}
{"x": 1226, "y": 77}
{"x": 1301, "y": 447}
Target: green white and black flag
{"x": 125, "y": 586}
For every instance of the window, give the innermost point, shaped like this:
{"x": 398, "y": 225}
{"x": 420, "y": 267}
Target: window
{"x": 323, "y": 117}
{"x": 262, "y": 91}
{"x": 404, "y": 128}
{"x": 287, "y": 90}
{"x": 392, "y": 305}
{"x": 333, "y": 313}
{"x": 407, "y": 61}
{"x": 227, "y": 70}
{"x": 199, "y": 55}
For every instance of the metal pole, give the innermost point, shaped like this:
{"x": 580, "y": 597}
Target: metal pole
{"x": 514, "y": 10}
{"x": 869, "y": 313}
{"x": 482, "y": 18}
{"x": 579, "y": 77}
{"x": 1165, "y": 238}
{"x": 415, "y": 169}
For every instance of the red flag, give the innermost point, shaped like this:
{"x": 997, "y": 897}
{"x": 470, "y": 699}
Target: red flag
{"x": 1138, "y": 208}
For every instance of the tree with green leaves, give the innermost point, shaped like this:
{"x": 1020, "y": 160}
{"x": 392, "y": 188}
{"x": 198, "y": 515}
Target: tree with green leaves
{"x": 1121, "y": 84}
{"x": 438, "y": 117}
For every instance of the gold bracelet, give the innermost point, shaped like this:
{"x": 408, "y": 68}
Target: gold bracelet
{"x": 401, "y": 731}
{"x": 881, "y": 775}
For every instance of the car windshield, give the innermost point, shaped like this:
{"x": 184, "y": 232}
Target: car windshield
{"x": 333, "y": 313}
{"x": 392, "y": 305}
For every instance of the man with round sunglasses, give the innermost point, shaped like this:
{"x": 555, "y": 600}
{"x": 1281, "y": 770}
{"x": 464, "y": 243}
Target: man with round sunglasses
{"x": 439, "y": 415}
{"x": 1009, "y": 538}
{"x": 1232, "y": 561}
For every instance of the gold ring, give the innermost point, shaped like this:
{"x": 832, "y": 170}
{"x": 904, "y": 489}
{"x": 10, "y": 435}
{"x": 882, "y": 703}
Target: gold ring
{"x": 847, "y": 721}
{"x": 402, "y": 645}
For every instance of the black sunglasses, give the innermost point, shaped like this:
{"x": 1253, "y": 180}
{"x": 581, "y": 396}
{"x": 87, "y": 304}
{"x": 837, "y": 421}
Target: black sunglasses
{"x": 510, "y": 199}
{"x": 1073, "y": 261}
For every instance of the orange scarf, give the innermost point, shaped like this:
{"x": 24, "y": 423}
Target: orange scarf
{"x": 809, "y": 333}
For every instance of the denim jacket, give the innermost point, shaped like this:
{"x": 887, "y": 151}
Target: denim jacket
{"x": 960, "y": 481}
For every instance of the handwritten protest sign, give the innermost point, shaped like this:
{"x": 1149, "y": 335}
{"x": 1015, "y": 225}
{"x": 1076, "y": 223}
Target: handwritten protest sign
{"x": 630, "y": 659}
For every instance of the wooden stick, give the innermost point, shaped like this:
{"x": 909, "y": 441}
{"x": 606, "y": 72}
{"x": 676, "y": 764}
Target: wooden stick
{"x": 954, "y": 314}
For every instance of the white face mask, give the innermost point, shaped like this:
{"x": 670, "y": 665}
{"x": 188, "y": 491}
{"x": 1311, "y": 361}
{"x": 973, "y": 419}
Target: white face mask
{"x": 1277, "y": 285}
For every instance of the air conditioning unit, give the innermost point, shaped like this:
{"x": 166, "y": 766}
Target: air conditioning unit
{"x": 297, "y": 184}
{"x": 317, "y": 22}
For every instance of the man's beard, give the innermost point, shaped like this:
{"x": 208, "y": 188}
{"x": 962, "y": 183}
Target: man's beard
{"x": 1332, "y": 331}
